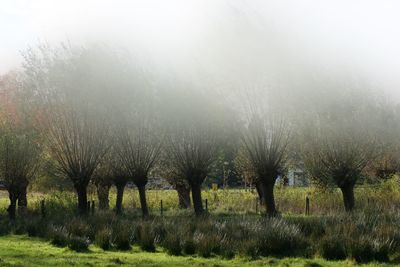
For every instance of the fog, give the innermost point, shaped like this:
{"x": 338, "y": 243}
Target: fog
{"x": 132, "y": 90}
{"x": 229, "y": 44}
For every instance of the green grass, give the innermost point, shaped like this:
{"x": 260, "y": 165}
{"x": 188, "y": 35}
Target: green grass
{"x": 27, "y": 251}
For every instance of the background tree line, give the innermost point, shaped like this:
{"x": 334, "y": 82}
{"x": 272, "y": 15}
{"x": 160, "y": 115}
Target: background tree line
{"x": 94, "y": 114}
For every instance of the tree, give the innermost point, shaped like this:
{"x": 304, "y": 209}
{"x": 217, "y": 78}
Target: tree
{"x": 70, "y": 90}
{"x": 20, "y": 149}
{"x": 244, "y": 167}
{"x": 103, "y": 180}
{"x": 339, "y": 142}
{"x": 194, "y": 137}
{"x": 138, "y": 146}
{"x": 19, "y": 162}
{"x": 120, "y": 177}
{"x": 265, "y": 141}
{"x": 178, "y": 181}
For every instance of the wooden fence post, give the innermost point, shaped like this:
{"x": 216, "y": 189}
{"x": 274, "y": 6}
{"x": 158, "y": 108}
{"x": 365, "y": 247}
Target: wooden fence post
{"x": 93, "y": 207}
{"x": 307, "y": 205}
{"x": 43, "y": 209}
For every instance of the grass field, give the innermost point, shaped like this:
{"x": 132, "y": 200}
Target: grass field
{"x": 235, "y": 223}
{"x": 27, "y": 251}
{"x": 289, "y": 200}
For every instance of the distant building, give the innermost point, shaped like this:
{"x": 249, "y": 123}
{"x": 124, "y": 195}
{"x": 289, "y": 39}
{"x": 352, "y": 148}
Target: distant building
{"x": 294, "y": 177}
{"x": 297, "y": 177}
{"x": 154, "y": 183}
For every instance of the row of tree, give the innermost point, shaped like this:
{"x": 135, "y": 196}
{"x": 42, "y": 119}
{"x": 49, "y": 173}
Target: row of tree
{"x": 95, "y": 115}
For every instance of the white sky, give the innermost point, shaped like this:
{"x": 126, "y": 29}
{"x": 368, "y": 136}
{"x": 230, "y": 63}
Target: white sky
{"x": 225, "y": 37}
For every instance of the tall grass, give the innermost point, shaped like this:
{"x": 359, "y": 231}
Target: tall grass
{"x": 232, "y": 226}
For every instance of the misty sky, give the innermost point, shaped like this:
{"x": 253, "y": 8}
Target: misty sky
{"x": 238, "y": 41}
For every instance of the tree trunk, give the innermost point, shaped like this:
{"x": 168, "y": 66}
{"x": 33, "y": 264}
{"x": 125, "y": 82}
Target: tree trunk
{"x": 103, "y": 196}
{"x": 13, "y": 203}
{"x": 120, "y": 196}
{"x": 22, "y": 201}
{"x": 196, "y": 197}
{"x": 82, "y": 199}
{"x": 348, "y": 197}
{"x": 183, "y": 196}
{"x": 260, "y": 192}
{"x": 143, "y": 201}
{"x": 268, "y": 189}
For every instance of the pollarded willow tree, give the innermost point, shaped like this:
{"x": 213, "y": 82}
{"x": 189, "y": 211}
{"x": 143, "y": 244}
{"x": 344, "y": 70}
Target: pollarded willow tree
{"x": 195, "y": 136}
{"x": 266, "y": 141}
{"x": 72, "y": 116}
{"x": 387, "y": 162}
{"x": 177, "y": 180}
{"x": 192, "y": 149}
{"x": 77, "y": 141}
{"x": 339, "y": 140}
{"x": 337, "y": 155}
{"x": 103, "y": 180}
{"x": 19, "y": 163}
{"x": 245, "y": 169}
{"x": 137, "y": 147}
{"x": 120, "y": 178}
{"x": 20, "y": 149}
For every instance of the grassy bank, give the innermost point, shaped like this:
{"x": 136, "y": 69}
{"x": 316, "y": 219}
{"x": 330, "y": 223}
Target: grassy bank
{"x": 234, "y": 231}
{"x": 27, "y": 251}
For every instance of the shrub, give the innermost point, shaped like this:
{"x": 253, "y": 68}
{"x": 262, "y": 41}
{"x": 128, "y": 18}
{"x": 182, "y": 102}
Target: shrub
{"x": 145, "y": 237}
{"x": 227, "y": 248}
{"x": 172, "y": 243}
{"x": 19, "y": 228}
{"x": 332, "y": 249}
{"x": 206, "y": 244}
{"x": 103, "y": 238}
{"x": 4, "y": 227}
{"x": 277, "y": 237}
{"x": 362, "y": 252}
{"x": 188, "y": 246}
{"x": 37, "y": 227}
{"x": 122, "y": 239}
{"x": 78, "y": 244}
{"x": 59, "y": 236}
{"x": 249, "y": 248}
{"x": 79, "y": 227}
{"x": 313, "y": 227}
{"x": 381, "y": 252}
{"x": 366, "y": 250}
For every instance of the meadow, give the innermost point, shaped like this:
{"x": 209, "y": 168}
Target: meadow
{"x": 234, "y": 232}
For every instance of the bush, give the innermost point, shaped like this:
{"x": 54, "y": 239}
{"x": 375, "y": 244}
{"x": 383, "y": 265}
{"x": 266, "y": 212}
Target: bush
{"x": 277, "y": 237}
{"x": 37, "y": 228}
{"x": 103, "y": 238}
{"x": 227, "y": 249}
{"x": 122, "y": 239}
{"x": 145, "y": 237}
{"x": 78, "y": 244}
{"x": 79, "y": 227}
{"x": 206, "y": 244}
{"x": 362, "y": 252}
{"x": 172, "y": 243}
{"x": 366, "y": 250}
{"x": 59, "y": 236}
{"x": 249, "y": 248}
{"x": 4, "y": 227}
{"x": 188, "y": 246}
{"x": 332, "y": 249}
{"x": 313, "y": 227}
